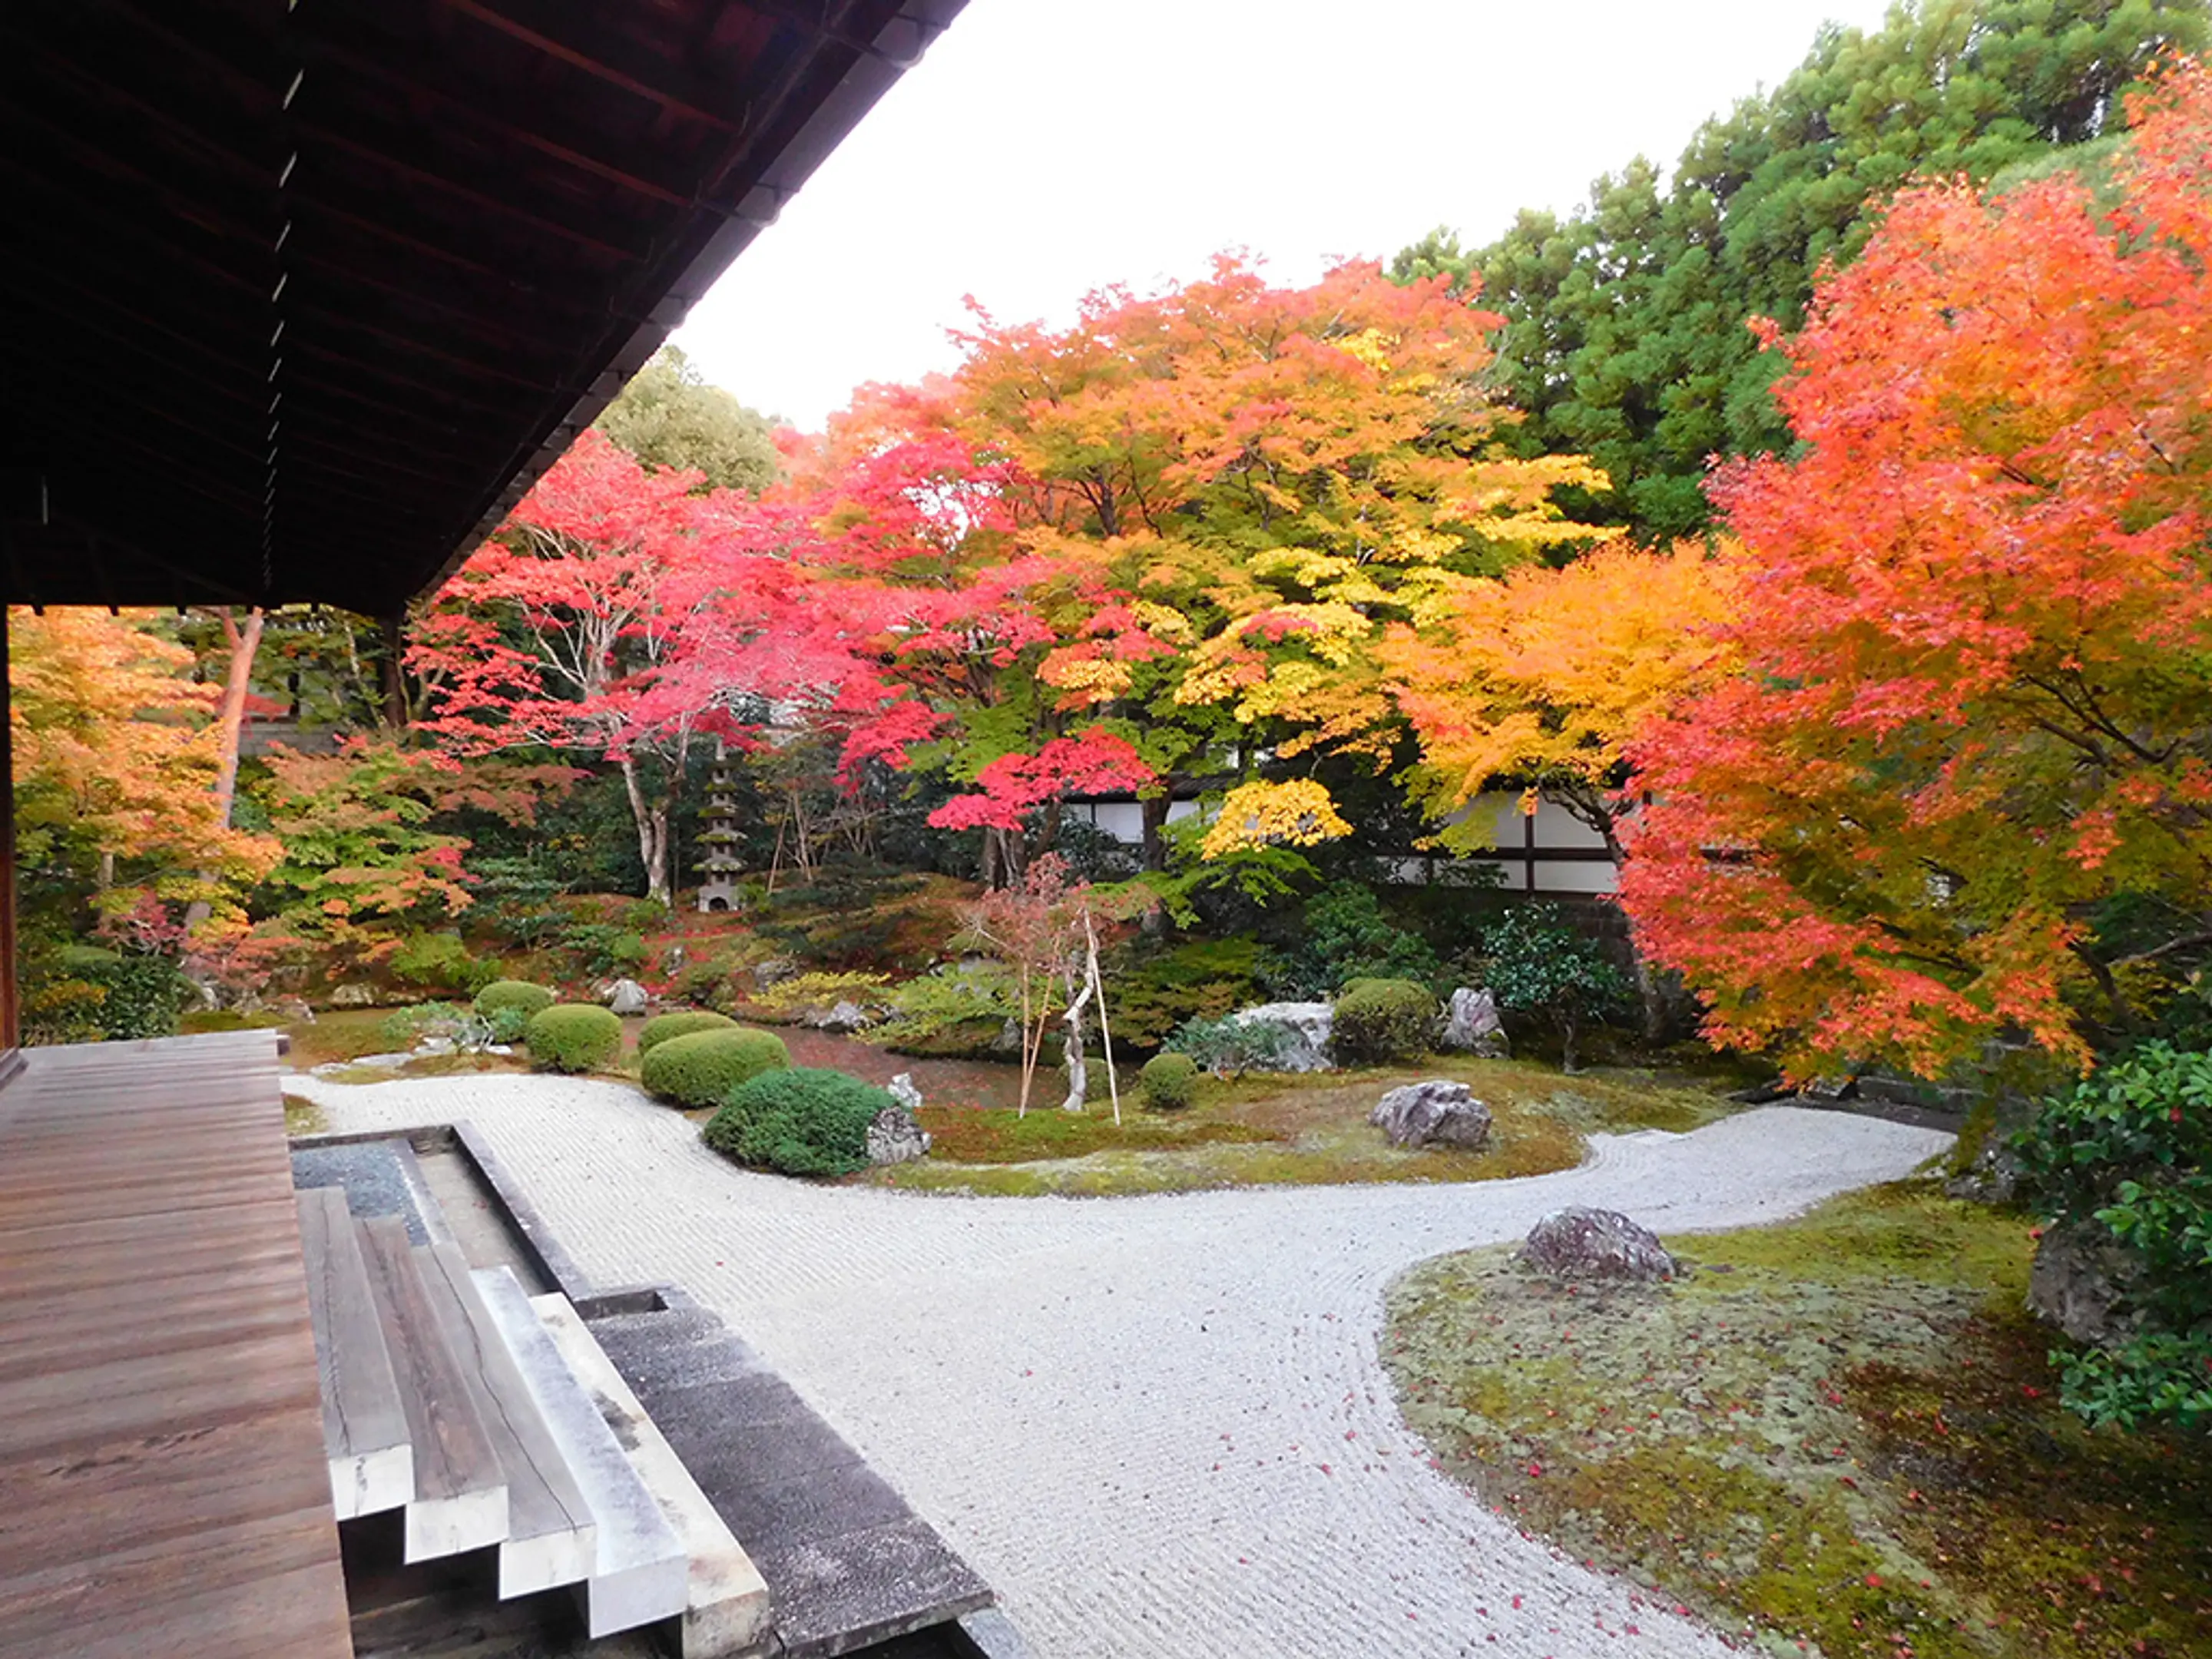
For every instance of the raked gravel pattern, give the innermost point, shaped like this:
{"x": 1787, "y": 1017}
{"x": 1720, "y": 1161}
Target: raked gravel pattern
{"x": 1156, "y": 1425}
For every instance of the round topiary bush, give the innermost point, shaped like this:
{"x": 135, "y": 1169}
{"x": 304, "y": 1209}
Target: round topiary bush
{"x": 1169, "y": 1081}
{"x": 803, "y": 1121}
{"x": 661, "y": 1027}
{"x": 700, "y": 1069}
{"x": 1382, "y": 1022}
{"x": 519, "y": 994}
{"x": 572, "y": 1037}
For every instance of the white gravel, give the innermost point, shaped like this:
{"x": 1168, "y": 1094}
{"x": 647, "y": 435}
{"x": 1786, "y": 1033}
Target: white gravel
{"x": 1156, "y": 1426}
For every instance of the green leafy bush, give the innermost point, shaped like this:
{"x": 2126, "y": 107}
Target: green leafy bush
{"x": 1170, "y": 1080}
{"x": 436, "y": 962}
{"x": 572, "y": 1037}
{"x": 682, "y": 1023}
{"x": 803, "y": 1121}
{"x": 1199, "y": 979}
{"x": 700, "y": 1069}
{"x": 604, "y": 947}
{"x": 954, "y": 1009}
{"x": 516, "y": 993}
{"x": 1228, "y": 1046}
{"x": 139, "y": 995}
{"x": 2126, "y": 1156}
{"x": 1384, "y": 1021}
{"x": 1538, "y": 965}
{"x": 1347, "y": 937}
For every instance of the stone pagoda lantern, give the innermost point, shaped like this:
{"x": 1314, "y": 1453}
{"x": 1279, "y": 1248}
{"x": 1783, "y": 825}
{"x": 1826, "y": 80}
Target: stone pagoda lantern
{"x": 719, "y": 868}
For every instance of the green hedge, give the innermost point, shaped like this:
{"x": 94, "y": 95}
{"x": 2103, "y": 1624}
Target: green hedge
{"x": 519, "y": 994}
{"x": 1382, "y": 1022}
{"x": 804, "y": 1122}
{"x": 1170, "y": 1080}
{"x": 572, "y": 1037}
{"x": 661, "y": 1027}
{"x": 700, "y": 1069}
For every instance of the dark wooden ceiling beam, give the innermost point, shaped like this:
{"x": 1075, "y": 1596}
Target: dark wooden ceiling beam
{"x": 481, "y": 107}
{"x": 601, "y": 56}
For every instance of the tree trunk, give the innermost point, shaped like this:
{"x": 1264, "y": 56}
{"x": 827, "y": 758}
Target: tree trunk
{"x": 1155, "y": 832}
{"x": 242, "y": 644}
{"x": 1649, "y": 1006}
{"x": 393, "y": 671}
{"x": 652, "y": 819}
{"x": 1079, "y": 1070}
{"x": 1567, "y": 1046}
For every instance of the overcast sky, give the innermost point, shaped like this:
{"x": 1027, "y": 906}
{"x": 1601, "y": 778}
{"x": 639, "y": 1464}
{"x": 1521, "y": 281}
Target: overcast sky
{"x": 1045, "y": 147}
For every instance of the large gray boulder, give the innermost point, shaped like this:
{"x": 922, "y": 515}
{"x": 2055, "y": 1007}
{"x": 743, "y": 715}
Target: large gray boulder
{"x": 1305, "y": 1029}
{"x": 1433, "y": 1113}
{"x": 1472, "y": 1026}
{"x": 2081, "y": 1282}
{"x": 1583, "y": 1243}
{"x": 627, "y": 996}
{"x": 905, "y": 1091}
{"x": 843, "y": 1016}
{"x": 354, "y": 996}
{"x": 895, "y": 1138}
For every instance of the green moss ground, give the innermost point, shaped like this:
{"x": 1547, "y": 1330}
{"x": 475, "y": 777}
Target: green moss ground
{"x": 1841, "y": 1436}
{"x": 1292, "y": 1131}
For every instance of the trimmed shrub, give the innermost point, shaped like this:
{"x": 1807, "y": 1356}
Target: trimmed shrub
{"x": 1382, "y": 1022}
{"x": 700, "y": 1069}
{"x": 572, "y": 1037}
{"x": 1229, "y": 1046}
{"x": 519, "y": 994}
{"x": 1169, "y": 1081}
{"x": 141, "y": 997}
{"x": 803, "y": 1121}
{"x": 682, "y": 1023}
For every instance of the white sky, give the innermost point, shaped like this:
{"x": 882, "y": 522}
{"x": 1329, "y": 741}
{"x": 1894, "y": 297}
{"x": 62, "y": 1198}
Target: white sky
{"x": 1045, "y": 147}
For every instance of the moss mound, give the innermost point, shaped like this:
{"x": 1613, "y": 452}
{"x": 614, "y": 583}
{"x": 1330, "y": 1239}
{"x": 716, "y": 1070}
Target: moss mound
{"x": 804, "y": 1121}
{"x": 700, "y": 1070}
{"x": 517, "y": 994}
{"x": 1840, "y": 1432}
{"x": 572, "y": 1037}
{"x": 662, "y": 1027}
{"x": 1169, "y": 1081}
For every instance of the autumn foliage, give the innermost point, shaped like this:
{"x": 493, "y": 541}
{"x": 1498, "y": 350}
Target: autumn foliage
{"x": 1975, "y": 628}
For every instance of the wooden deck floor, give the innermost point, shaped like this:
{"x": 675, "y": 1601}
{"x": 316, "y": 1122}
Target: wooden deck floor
{"x": 163, "y": 1486}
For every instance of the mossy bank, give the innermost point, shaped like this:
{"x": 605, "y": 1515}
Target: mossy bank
{"x": 1840, "y": 1436}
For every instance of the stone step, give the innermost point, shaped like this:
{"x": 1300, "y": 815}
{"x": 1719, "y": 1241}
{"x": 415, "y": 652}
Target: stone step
{"x": 552, "y": 1537}
{"x": 727, "y": 1602}
{"x": 460, "y": 1489}
{"x": 364, "y": 1425}
{"x": 639, "y": 1575}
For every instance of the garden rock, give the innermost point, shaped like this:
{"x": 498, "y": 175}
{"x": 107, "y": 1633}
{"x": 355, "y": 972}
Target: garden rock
{"x": 895, "y": 1137}
{"x": 627, "y": 996}
{"x": 354, "y": 996}
{"x": 1583, "y": 1243}
{"x": 844, "y": 1015}
{"x": 1008, "y": 1043}
{"x": 773, "y": 971}
{"x": 905, "y": 1091}
{"x": 1472, "y": 1026}
{"x": 1433, "y": 1113}
{"x": 1307, "y": 1026}
{"x": 2079, "y": 1283}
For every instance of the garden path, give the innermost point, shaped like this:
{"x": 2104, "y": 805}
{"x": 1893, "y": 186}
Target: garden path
{"x": 1156, "y": 1425}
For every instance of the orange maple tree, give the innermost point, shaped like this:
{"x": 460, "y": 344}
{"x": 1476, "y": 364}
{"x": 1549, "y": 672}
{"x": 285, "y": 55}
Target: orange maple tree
{"x": 1976, "y": 631}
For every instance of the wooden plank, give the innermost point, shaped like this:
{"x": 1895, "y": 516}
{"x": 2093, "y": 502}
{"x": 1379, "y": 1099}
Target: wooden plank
{"x": 460, "y": 1491}
{"x": 551, "y": 1536}
{"x": 163, "y": 1488}
{"x": 364, "y": 1425}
